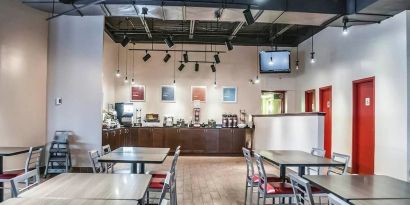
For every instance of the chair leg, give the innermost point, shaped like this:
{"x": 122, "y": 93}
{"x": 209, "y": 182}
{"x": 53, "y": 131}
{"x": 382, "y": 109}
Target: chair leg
{"x": 251, "y": 193}
{"x": 259, "y": 196}
{"x": 264, "y": 199}
{"x": 246, "y": 191}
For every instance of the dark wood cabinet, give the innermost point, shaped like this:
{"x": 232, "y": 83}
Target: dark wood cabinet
{"x": 223, "y": 141}
{"x": 211, "y": 140}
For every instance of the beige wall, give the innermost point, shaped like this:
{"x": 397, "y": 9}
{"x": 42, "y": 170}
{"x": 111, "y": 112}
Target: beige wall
{"x": 236, "y": 69}
{"x": 109, "y": 65}
{"x": 23, "y": 76}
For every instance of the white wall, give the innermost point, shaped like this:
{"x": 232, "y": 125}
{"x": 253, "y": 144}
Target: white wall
{"x": 373, "y": 50}
{"x": 75, "y": 74}
{"x": 23, "y": 76}
{"x": 109, "y": 65}
{"x": 236, "y": 69}
{"x": 408, "y": 96}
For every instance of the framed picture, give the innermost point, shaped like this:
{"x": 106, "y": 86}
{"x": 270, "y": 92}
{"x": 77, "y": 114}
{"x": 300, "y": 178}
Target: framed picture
{"x": 168, "y": 93}
{"x": 229, "y": 94}
{"x": 198, "y": 93}
{"x": 138, "y": 93}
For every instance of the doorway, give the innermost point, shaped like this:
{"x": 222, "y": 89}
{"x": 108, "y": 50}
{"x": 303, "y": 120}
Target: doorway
{"x": 310, "y": 101}
{"x": 325, "y": 105}
{"x": 363, "y": 126}
{"x": 273, "y": 102}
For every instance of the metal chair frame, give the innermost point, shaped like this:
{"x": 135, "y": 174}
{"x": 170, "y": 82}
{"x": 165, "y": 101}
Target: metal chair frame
{"x": 319, "y": 153}
{"x": 97, "y": 166}
{"x": 25, "y": 177}
{"x": 108, "y": 166}
{"x": 334, "y": 200}
{"x": 302, "y": 190}
{"x": 340, "y": 158}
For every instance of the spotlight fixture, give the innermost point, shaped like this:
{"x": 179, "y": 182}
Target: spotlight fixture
{"x": 345, "y": 31}
{"x": 181, "y": 67}
{"x": 126, "y": 79}
{"x": 196, "y": 67}
{"x": 144, "y": 11}
{"x": 132, "y": 81}
{"x": 167, "y": 57}
{"x": 169, "y": 42}
{"x": 229, "y": 45}
{"x": 217, "y": 59}
{"x": 125, "y": 41}
{"x": 146, "y": 57}
{"x": 118, "y": 74}
{"x": 213, "y": 68}
{"x": 186, "y": 57}
{"x": 257, "y": 80}
{"x": 248, "y": 16}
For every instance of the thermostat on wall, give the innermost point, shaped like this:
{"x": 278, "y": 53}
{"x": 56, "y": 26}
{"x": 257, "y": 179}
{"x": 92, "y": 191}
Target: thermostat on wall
{"x": 59, "y": 101}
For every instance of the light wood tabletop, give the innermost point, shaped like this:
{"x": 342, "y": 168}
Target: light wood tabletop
{"x": 48, "y": 201}
{"x": 356, "y": 187}
{"x": 146, "y": 150}
{"x": 381, "y": 202}
{"x": 92, "y": 186}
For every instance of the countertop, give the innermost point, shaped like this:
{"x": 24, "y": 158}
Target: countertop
{"x": 292, "y": 114}
{"x": 112, "y": 129}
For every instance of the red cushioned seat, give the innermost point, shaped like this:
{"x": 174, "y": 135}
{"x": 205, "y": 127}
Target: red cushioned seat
{"x": 159, "y": 176}
{"x": 271, "y": 178}
{"x": 156, "y": 185}
{"x": 158, "y": 180}
{"x": 8, "y": 176}
{"x": 278, "y": 188}
{"x": 316, "y": 190}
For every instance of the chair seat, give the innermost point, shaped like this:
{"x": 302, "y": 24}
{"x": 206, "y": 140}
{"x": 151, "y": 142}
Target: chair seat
{"x": 316, "y": 190}
{"x": 271, "y": 178}
{"x": 8, "y": 176}
{"x": 158, "y": 174}
{"x": 278, "y": 188}
{"x": 156, "y": 185}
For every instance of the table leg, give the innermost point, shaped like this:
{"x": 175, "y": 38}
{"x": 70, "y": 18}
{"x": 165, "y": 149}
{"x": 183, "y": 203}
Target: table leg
{"x": 142, "y": 168}
{"x": 1, "y": 184}
{"x": 301, "y": 171}
{"x": 134, "y": 168}
{"x": 282, "y": 173}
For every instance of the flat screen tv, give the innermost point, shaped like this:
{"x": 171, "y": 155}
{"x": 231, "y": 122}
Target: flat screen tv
{"x": 274, "y": 61}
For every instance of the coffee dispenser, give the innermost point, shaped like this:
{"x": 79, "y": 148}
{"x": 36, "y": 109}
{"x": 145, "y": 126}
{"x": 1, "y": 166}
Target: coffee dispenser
{"x": 197, "y": 113}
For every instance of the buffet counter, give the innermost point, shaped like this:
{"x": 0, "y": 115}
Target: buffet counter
{"x": 195, "y": 141}
{"x": 292, "y": 131}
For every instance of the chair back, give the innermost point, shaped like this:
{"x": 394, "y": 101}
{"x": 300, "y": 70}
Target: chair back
{"x": 334, "y": 200}
{"x": 162, "y": 200}
{"x": 319, "y": 153}
{"x": 33, "y": 177}
{"x": 345, "y": 159}
{"x": 106, "y": 149}
{"x": 97, "y": 166}
{"x": 178, "y": 148}
{"x": 263, "y": 181}
{"x": 249, "y": 162}
{"x": 175, "y": 161}
{"x": 301, "y": 190}
{"x": 33, "y": 159}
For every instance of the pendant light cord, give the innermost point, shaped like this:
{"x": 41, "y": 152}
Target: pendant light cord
{"x": 126, "y": 62}
{"x": 133, "y": 61}
{"x": 174, "y": 65}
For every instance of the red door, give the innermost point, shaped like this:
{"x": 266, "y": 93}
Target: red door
{"x": 309, "y": 100}
{"x": 363, "y": 126}
{"x": 325, "y": 105}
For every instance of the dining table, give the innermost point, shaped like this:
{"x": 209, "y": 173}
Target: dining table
{"x": 57, "y": 201}
{"x": 136, "y": 156}
{"x": 362, "y": 187}
{"x": 381, "y": 202}
{"x": 295, "y": 158}
{"x": 7, "y": 152}
{"x": 89, "y": 186}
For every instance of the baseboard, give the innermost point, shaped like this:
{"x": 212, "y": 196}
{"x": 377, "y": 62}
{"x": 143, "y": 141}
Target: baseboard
{"x": 82, "y": 170}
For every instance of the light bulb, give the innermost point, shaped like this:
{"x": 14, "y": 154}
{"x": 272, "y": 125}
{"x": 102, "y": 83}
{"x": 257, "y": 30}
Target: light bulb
{"x": 118, "y": 74}
{"x": 271, "y": 61}
{"x": 174, "y": 83}
{"x": 313, "y": 60}
{"x": 312, "y": 57}
{"x": 257, "y": 80}
{"x": 297, "y": 65}
{"x": 215, "y": 85}
{"x": 345, "y": 31}
{"x": 126, "y": 79}
{"x": 132, "y": 81}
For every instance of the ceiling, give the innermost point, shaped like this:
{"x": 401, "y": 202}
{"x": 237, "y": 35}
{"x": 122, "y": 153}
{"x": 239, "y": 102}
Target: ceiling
{"x": 278, "y": 22}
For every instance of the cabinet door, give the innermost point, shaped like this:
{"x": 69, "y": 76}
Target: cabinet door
{"x": 225, "y": 141}
{"x": 171, "y": 138}
{"x": 105, "y": 138}
{"x": 211, "y": 140}
{"x": 112, "y": 141}
{"x": 198, "y": 140}
{"x": 238, "y": 140}
{"x": 186, "y": 140}
{"x": 145, "y": 137}
{"x": 158, "y": 137}
{"x": 125, "y": 137}
{"x": 133, "y": 138}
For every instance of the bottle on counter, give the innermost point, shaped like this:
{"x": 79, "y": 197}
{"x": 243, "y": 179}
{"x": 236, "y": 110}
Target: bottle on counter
{"x": 230, "y": 121}
{"x": 235, "y": 121}
{"x": 224, "y": 120}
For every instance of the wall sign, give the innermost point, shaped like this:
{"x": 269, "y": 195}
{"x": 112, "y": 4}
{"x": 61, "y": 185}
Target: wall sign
{"x": 229, "y": 94}
{"x": 138, "y": 93}
{"x": 198, "y": 93}
{"x": 168, "y": 93}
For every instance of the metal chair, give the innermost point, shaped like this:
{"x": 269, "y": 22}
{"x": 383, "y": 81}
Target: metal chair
{"x": 319, "y": 153}
{"x": 339, "y": 170}
{"x": 97, "y": 166}
{"x": 281, "y": 190}
{"x": 163, "y": 173}
{"x": 157, "y": 182}
{"x": 32, "y": 163}
{"x": 162, "y": 200}
{"x": 252, "y": 179}
{"x": 302, "y": 190}
{"x": 106, "y": 149}
{"x": 334, "y": 200}
{"x": 15, "y": 190}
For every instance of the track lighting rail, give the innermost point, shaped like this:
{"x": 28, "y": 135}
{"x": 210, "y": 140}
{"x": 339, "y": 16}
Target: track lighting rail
{"x": 171, "y": 50}
{"x": 205, "y": 62}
